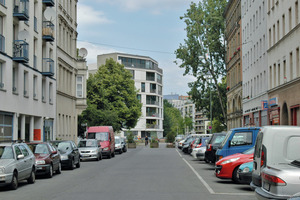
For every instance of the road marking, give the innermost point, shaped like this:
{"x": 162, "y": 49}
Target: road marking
{"x": 210, "y": 190}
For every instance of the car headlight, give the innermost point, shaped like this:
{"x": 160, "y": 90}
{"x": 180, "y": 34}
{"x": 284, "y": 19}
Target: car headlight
{"x": 246, "y": 169}
{"x": 230, "y": 160}
{"x": 2, "y": 170}
{"x": 64, "y": 157}
{"x": 94, "y": 151}
{"x": 39, "y": 162}
{"x": 105, "y": 149}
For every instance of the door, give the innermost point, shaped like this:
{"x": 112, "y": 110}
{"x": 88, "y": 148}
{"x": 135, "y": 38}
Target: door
{"x": 75, "y": 152}
{"x": 28, "y": 161}
{"x": 55, "y": 157}
{"x": 241, "y": 141}
{"x": 20, "y": 163}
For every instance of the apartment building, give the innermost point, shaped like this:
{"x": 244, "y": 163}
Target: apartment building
{"x": 148, "y": 80}
{"x": 283, "y": 62}
{"x": 201, "y": 123}
{"x": 254, "y": 62}
{"x": 234, "y": 88}
{"x": 27, "y": 70}
{"x": 71, "y": 72}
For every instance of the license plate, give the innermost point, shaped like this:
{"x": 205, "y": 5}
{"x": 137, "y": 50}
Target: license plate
{"x": 266, "y": 186}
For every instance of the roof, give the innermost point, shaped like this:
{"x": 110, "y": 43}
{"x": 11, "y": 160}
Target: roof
{"x": 94, "y": 129}
{"x": 246, "y": 128}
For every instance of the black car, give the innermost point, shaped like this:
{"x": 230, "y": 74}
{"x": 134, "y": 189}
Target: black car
{"x": 69, "y": 153}
{"x": 187, "y": 143}
{"x": 123, "y": 142}
{"x": 212, "y": 146}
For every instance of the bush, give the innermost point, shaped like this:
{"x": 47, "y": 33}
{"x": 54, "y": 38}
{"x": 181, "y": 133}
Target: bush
{"x": 130, "y": 138}
{"x": 170, "y": 138}
{"x": 154, "y": 140}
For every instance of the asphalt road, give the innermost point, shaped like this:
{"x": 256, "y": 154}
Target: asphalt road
{"x": 139, "y": 174}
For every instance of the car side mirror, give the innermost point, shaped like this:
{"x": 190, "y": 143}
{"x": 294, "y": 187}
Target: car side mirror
{"x": 20, "y": 157}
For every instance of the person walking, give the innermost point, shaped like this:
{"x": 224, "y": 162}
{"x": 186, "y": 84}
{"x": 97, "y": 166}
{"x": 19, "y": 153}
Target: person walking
{"x": 146, "y": 140}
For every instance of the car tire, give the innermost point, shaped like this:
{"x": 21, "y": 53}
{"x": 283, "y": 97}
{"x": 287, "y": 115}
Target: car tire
{"x": 113, "y": 154}
{"x": 31, "y": 179}
{"x": 109, "y": 155}
{"x": 72, "y": 166}
{"x": 206, "y": 160}
{"x": 234, "y": 175}
{"x": 120, "y": 152}
{"x": 50, "y": 173}
{"x": 101, "y": 156}
{"x": 98, "y": 157}
{"x": 78, "y": 164}
{"x": 14, "y": 182}
{"x": 58, "y": 171}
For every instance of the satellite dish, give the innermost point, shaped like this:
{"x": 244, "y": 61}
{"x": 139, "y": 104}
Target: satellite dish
{"x": 49, "y": 14}
{"x": 83, "y": 52}
{"x": 23, "y": 35}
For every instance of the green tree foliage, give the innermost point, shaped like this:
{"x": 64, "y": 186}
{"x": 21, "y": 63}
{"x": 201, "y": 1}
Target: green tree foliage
{"x": 112, "y": 98}
{"x": 203, "y": 52}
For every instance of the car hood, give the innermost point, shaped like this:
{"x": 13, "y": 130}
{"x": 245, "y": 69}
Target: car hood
{"x": 87, "y": 148}
{"x": 6, "y": 162}
{"x": 41, "y": 156}
{"x": 242, "y": 156}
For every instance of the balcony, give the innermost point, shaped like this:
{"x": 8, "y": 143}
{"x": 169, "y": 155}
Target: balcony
{"x": 153, "y": 91}
{"x": 49, "y": 3}
{"x": 20, "y": 51}
{"x": 154, "y": 126}
{"x": 48, "y": 31}
{"x": 151, "y": 114}
{"x": 48, "y": 67}
{"x": 151, "y": 102}
{"x": 2, "y": 43}
{"x": 21, "y": 10}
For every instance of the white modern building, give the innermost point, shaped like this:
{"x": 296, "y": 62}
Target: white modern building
{"x": 27, "y": 70}
{"x": 283, "y": 62}
{"x": 148, "y": 80}
{"x": 71, "y": 72}
{"x": 254, "y": 62}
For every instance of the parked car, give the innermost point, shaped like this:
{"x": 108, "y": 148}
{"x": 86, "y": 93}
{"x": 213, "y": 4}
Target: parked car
{"x": 180, "y": 143}
{"x": 237, "y": 140}
{"x": 179, "y": 138}
{"x": 212, "y": 146}
{"x": 276, "y": 168}
{"x": 118, "y": 145}
{"x": 90, "y": 149}
{"x": 70, "y": 157}
{"x": 199, "y": 150}
{"x": 124, "y": 145}
{"x": 227, "y": 167}
{"x": 17, "y": 163}
{"x": 47, "y": 158}
{"x": 245, "y": 173}
{"x": 106, "y": 136}
{"x": 187, "y": 143}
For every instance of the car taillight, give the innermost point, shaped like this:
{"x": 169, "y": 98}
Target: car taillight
{"x": 198, "y": 146}
{"x": 273, "y": 179}
{"x": 209, "y": 148}
{"x": 262, "y": 159}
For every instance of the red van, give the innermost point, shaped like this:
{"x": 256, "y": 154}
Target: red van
{"x": 105, "y": 134}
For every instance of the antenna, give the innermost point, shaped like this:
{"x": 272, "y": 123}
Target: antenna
{"x": 83, "y": 52}
{"x": 23, "y": 35}
{"x": 49, "y": 14}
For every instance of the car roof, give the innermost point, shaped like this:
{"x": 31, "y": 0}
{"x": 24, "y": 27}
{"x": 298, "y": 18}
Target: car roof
{"x": 246, "y": 128}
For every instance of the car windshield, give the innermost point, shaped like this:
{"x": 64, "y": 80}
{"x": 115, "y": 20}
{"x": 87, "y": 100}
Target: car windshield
{"x": 225, "y": 139}
{"x": 39, "y": 148}
{"x": 64, "y": 146}
{"x": 249, "y": 151}
{"x": 87, "y": 143}
{"x": 102, "y": 136}
{"x": 218, "y": 139}
{"x": 204, "y": 141}
{"x": 117, "y": 140}
{"x": 6, "y": 153}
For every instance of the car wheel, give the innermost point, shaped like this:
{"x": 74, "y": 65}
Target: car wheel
{"x": 14, "y": 182}
{"x": 98, "y": 157}
{"x": 206, "y": 160}
{"x": 72, "y": 166}
{"x": 31, "y": 179}
{"x": 234, "y": 175}
{"x": 58, "y": 171}
{"x": 50, "y": 173}
{"x": 121, "y": 151}
{"x": 78, "y": 164}
{"x": 113, "y": 154}
{"x": 109, "y": 155}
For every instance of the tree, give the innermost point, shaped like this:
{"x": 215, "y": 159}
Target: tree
{"x": 203, "y": 52}
{"x": 173, "y": 122}
{"x": 112, "y": 98}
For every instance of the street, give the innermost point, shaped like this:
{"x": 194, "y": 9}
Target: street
{"x": 139, "y": 174}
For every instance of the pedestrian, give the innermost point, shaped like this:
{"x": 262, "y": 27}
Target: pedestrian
{"x": 146, "y": 140}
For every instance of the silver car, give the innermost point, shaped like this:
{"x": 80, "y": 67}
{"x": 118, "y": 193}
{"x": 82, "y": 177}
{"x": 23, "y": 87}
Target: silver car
{"x": 90, "y": 149}
{"x": 17, "y": 163}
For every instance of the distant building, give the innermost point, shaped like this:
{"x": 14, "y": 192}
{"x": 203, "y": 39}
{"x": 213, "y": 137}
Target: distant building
{"x": 171, "y": 97}
{"x": 148, "y": 80}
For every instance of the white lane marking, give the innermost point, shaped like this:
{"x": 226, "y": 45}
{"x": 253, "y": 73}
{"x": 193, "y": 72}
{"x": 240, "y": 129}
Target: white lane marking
{"x": 210, "y": 190}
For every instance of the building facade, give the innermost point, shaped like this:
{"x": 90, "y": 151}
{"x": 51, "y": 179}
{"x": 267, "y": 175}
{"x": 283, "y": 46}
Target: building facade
{"x": 71, "y": 72}
{"x": 233, "y": 38}
{"x": 255, "y": 62}
{"x": 283, "y": 62}
{"x": 27, "y": 70}
{"x": 148, "y": 80}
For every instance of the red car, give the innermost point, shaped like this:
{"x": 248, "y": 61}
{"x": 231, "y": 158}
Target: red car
{"x": 228, "y": 166}
{"x": 47, "y": 158}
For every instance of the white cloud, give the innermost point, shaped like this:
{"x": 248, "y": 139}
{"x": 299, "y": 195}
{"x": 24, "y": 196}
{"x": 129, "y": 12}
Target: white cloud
{"x": 88, "y": 16}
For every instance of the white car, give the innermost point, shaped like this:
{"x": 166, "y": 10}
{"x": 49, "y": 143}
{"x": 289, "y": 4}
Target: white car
{"x": 198, "y": 153}
{"x": 180, "y": 143}
{"x": 118, "y": 144}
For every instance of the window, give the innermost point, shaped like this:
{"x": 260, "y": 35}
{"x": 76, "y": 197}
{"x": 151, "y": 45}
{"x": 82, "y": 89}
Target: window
{"x": 25, "y": 88}
{"x": 291, "y": 65}
{"x": 241, "y": 138}
{"x": 143, "y": 87}
{"x": 150, "y": 76}
{"x": 290, "y": 19}
{"x": 139, "y": 97}
{"x": 296, "y": 13}
{"x": 283, "y": 25}
{"x": 1, "y": 75}
{"x": 2, "y": 38}
{"x": 15, "y": 79}
{"x": 6, "y": 126}
{"x": 79, "y": 87}
{"x": 297, "y": 62}
{"x": 24, "y": 150}
{"x": 132, "y": 73}
{"x": 34, "y": 87}
{"x": 159, "y": 78}
{"x": 18, "y": 151}
{"x": 43, "y": 90}
{"x": 50, "y": 92}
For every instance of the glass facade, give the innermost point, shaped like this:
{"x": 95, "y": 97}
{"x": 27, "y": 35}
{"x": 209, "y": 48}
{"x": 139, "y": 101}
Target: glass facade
{"x": 138, "y": 63}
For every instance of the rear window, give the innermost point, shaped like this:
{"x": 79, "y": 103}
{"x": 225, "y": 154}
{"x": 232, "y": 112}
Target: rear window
{"x": 258, "y": 145}
{"x": 293, "y": 148}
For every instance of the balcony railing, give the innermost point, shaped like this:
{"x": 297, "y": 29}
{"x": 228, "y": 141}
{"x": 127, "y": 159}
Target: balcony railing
{"x": 48, "y": 31}
{"x": 152, "y": 90}
{"x": 160, "y": 92}
{"x": 152, "y": 114}
{"x": 48, "y": 67}
{"x": 152, "y": 126}
{"x": 21, "y": 10}
{"x": 20, "y": 51}
{"x": 2, "y": 43}
{"x": 151, "y": 102}
{"x": 49, "y": 3}
{"x": 35, "y": 24}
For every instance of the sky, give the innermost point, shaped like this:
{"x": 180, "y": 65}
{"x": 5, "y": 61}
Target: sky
{"x": 141, "y": 27}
